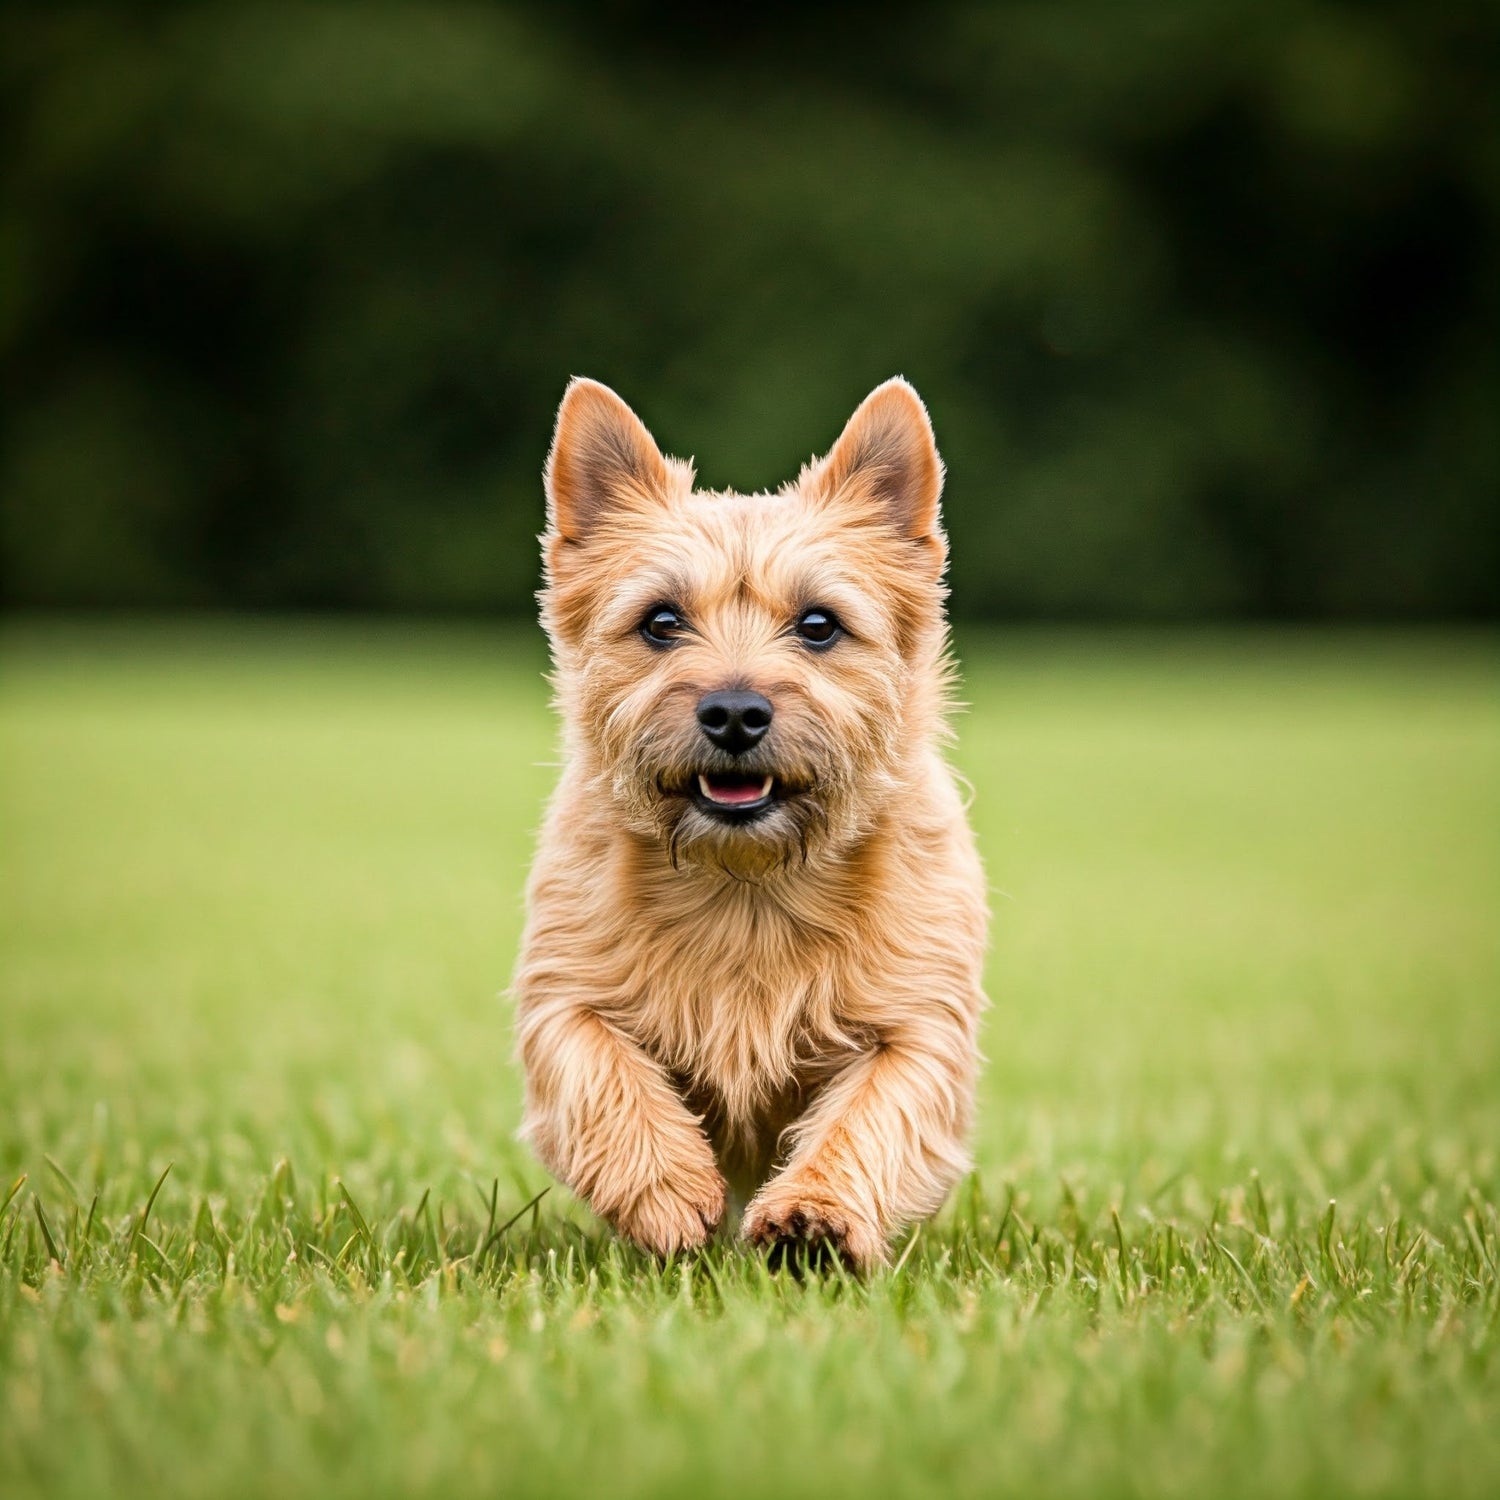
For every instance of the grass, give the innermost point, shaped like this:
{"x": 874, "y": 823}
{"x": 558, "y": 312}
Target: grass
{"x": 1233, "y": 1228}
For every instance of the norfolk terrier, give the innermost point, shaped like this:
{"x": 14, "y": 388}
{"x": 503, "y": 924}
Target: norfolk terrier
{"x": 756, "y": 919}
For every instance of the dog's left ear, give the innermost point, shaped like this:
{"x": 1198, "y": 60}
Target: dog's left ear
{"x": 887, "y": 455}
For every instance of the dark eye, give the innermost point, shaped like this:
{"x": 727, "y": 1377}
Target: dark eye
{"x": 662, "y": 625}
{"x": 819, "y": 627}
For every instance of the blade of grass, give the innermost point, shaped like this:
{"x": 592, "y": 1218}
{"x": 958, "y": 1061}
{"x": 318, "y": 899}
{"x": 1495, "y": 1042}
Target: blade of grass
{"x": 146, "y": 1212}
{"x": 1010, "y": 1202}
{"x": 15, "y": 1188}
{"x": 489, "y": 1227}
{"x": 63, "y": 1177}
{"x": 1215, "y": 1245}
{"x": 357, "y": 1216}
{"x": 510, "y": 1223}
{"x": 41, "y": 1219}
{"x": 907, "y": 1249}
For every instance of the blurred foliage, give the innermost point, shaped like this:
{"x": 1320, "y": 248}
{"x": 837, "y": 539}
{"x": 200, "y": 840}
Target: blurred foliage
{"x": 1203, "y": 296}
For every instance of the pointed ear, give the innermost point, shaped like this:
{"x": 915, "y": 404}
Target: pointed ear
{"x": 887, "y": 454}
{"x": 602, "y": 457}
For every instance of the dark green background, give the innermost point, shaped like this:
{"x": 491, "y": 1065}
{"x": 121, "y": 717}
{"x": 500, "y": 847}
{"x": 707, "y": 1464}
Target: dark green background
{"x": 1202, "y": 296}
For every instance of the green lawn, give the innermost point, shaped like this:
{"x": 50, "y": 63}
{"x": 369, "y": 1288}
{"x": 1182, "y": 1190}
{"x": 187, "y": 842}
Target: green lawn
{"x": 1234, "y": 1226}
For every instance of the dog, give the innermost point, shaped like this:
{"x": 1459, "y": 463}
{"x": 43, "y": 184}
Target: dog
{"x": 756, "y": 918}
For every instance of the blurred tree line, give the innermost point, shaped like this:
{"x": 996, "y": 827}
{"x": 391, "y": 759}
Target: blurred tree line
{"x": 1202, "y": 294}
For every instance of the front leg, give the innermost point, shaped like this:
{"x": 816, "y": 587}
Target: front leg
{"x": 881, "y": 1145}
{"x": 603, "y": 1117}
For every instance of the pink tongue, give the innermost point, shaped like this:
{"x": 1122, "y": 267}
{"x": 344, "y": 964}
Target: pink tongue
{"x": 734, "y": 791}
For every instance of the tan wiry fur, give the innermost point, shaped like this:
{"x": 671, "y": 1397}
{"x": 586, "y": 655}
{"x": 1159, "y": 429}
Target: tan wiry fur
{"x": 787, "y": 1005}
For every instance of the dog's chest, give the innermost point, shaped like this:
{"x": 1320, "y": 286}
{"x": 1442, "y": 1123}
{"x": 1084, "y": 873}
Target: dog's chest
{"x": 746, "y": 1010}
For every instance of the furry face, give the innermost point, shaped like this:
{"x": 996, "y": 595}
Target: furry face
{"x": 748, "y": 671}
{"x": 756, "y": 917}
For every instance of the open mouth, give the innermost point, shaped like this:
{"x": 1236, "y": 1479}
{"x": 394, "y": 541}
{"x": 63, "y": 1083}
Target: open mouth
{"x": 733, "y": 794}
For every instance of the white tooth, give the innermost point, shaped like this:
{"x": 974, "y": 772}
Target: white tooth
{"x": 765, "y": 787}
{"x": 704, "y": 787}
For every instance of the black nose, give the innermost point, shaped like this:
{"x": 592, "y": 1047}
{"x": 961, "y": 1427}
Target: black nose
{"x": 734, "y": 721}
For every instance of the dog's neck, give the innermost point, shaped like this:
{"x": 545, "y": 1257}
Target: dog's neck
{"x": 809, "y": 887}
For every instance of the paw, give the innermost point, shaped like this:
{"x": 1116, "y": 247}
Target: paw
{"x": 798, "y": 1229}
{"x": 677, "y": 1214}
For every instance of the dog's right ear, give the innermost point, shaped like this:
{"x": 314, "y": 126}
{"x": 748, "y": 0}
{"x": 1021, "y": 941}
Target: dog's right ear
{"x": 602, "y": 458}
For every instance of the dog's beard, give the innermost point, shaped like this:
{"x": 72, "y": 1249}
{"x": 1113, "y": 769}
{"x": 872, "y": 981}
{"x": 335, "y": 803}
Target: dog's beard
{"x": 788, "y": 833}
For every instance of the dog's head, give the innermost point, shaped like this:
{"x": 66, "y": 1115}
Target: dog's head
{"x": 748, "y": 678}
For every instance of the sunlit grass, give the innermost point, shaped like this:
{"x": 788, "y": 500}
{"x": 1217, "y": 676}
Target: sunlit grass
{"x": 1233, "y": 1227}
